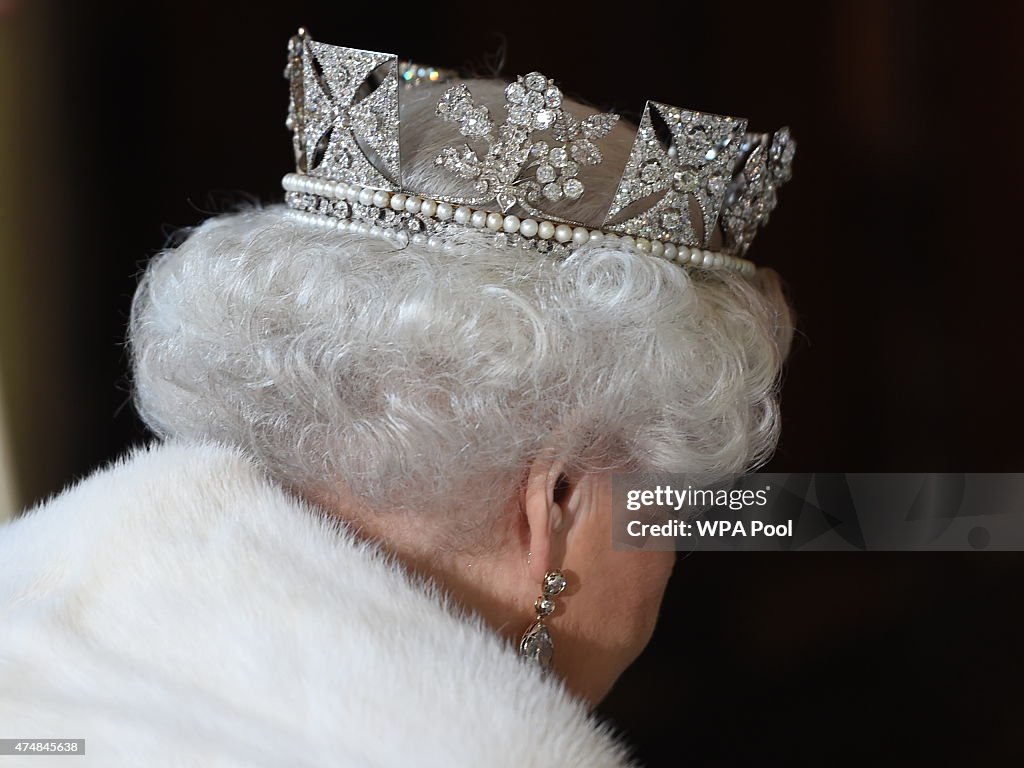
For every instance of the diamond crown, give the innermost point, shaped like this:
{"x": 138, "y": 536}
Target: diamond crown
{"x": 692, "y": 181}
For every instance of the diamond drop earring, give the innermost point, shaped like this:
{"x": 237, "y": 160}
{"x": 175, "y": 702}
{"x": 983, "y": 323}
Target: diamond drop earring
{"x": 536, "y": 644}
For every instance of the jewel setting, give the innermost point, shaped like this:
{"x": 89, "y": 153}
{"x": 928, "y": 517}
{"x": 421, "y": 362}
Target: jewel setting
{"x": 536, "y": 644}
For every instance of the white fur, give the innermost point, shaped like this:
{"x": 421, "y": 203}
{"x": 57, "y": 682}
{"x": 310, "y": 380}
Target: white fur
{"x": 180, "y": 609}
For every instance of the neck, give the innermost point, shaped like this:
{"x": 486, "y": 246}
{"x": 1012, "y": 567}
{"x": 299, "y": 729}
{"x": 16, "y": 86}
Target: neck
{"x": 496, "y": 586}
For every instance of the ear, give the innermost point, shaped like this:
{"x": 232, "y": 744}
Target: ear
{"x": 546, "y": 516}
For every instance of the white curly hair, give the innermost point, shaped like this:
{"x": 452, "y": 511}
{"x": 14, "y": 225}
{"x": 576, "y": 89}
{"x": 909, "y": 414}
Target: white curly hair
{"x": 425, "y": 381}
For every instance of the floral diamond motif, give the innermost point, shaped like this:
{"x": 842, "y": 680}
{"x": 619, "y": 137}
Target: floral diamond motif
{"x": 516, "y": 168}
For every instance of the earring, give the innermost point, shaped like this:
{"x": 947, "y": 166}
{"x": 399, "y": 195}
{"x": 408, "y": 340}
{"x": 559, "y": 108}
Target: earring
{"x": 536, "y": 644}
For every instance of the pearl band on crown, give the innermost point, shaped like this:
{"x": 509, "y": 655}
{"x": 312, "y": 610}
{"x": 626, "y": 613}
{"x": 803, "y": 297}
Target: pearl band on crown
{"x": 402, "y": 218}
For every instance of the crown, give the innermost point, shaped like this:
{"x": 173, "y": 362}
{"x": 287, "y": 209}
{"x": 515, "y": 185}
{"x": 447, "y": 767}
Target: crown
{"x": 695, "y": 189}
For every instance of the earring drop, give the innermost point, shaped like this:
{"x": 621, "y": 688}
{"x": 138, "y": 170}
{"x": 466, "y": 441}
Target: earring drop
{"x": 536, "y": 643}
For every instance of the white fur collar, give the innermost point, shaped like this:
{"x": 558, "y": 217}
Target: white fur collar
{"x": 178, "y": 608}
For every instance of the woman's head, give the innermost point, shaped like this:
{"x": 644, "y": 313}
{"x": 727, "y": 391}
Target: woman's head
{"x": 423, "y": 393}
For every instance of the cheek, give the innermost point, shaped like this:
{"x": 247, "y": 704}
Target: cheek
{"x": 633, "y": 597}
{"x": 654, "y": 570}
{"x": 623, "y": 588}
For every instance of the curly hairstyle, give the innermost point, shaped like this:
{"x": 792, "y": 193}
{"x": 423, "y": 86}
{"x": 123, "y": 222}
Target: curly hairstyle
{"x": 425, "y": 380}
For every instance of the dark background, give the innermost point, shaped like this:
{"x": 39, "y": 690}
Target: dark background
{"x": 899, "y": 240}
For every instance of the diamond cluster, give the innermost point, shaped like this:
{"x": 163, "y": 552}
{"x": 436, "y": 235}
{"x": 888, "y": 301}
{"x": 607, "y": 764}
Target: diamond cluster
{"x": 753, "y": 194}
{"x": 335, "y": 119}
{"x": 518, "y": 168}
{"x": 696, "y": 163}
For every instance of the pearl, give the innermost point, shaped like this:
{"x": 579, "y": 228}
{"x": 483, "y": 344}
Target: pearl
{"x": 611, "y": 237}
{"x": 363, "y": 228}
{"x": 627, "y": 239}
{"x": 402, "y": 239}
{"x": 462, "y": 214}
{"x": 413, "y": 205}
{"x": 563, "y": 233}
{"x": 444, "y": 211}
{"x": 657, "y": 248}
{"x": 643, "y": 244}
{"x": 528, "y": 228}
{"x": 580, "y": 236}
{"x": 510, "y": 224}
{"x": 428, "y": 208}
{"x": 398, "y": 201}
{"x": 709, "y": 259}
{"x": 478, "y": 219}
{"x": 381, "y": 199}
{"x": 433, "y": 242}
{"x": 352, "y": 193}
{"x": 419, "y": 238}
{"x": 545, "y": 230}
{"x": 366, "y": 197}
{"x": 342, "y": 225}
{"x": 596, "y": 236}
{"x": 495, "y": 221}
